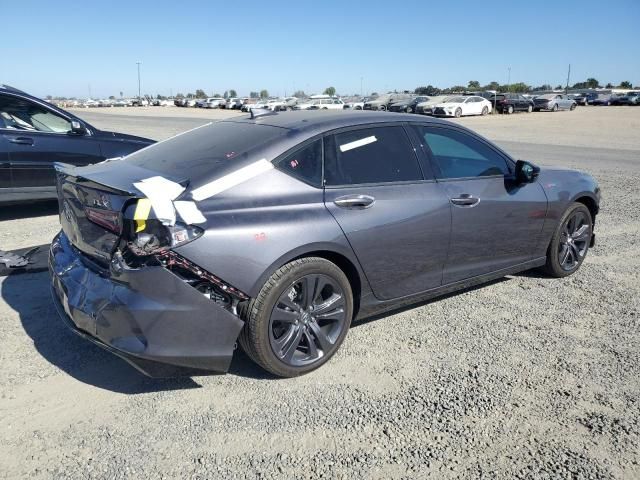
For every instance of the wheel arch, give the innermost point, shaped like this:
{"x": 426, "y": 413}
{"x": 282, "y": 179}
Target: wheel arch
{"x": 345, "y": 260}
{"x": 590, "y": 202}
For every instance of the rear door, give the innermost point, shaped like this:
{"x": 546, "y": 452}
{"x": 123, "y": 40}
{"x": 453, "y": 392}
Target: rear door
{"x": 37, "y": 137}
{"x": 495, "y": 223}
{"x": 396, "y": 218}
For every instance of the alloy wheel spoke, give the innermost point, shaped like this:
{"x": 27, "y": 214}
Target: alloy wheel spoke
{"x": 313, "y": 349}
{"x": 291, "y": 347}
{"x": 575, "y": 252}
{"x": 331, "y": 304}
{"x": 580, "y": 234}
{"x": 323, "y": 340}
{"x": 564, "y": 254}
{"x": 287, "y": 302}
{"x": 285, "y": 316}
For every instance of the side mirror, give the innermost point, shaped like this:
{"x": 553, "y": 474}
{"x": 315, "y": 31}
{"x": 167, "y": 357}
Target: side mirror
{"x": 526, "y": 172}
{"x": 78, "y": 128}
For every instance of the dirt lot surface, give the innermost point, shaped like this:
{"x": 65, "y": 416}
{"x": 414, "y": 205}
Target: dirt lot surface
{"x": 527, "y": 377}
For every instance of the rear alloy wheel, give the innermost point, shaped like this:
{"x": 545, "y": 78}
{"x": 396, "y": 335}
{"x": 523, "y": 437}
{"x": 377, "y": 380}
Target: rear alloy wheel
{"x": 570, "y": 242}
{"x": 510, "y": 109}
{"x": 485, "y": 110}
{"x": 458, "y": 112}
{"x": 573, "y": 107}
{"x": 555, "y": 108}
{"x": 300, "y": 317}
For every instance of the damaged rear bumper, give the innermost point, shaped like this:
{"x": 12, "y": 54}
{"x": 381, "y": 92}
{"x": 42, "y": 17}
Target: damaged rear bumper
{"x": 148, "y": 316}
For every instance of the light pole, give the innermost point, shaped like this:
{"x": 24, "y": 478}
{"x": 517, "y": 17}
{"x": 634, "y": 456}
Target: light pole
{"x": 361, "y": 93}
{"x": 139, "y": 96}
{"x": 509, "y": 79}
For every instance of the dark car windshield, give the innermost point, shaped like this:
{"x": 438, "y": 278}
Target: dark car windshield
{"x": 214, "y": 148}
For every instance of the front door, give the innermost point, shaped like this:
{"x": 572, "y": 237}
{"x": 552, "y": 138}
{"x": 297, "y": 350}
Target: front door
{"x": 495, "y": 223}
{"x": 396, "y": 219}
{"x": 37, "y": 138}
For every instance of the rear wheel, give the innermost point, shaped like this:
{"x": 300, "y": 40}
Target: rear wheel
{"x": 300, "y": 317}
{"x": 485, "y": 110}
{"x": 382, "y": 107}
{"x": 510, "y": 109}
{"x": 530, "y": 108}
{"x": 555, "y": 108}
{"x": 570, "y": 242}
{"x": 458, "y": 113}
{"x": 573, "y": 107}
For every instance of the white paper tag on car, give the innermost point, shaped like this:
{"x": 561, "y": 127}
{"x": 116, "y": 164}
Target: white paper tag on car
{"x": 189, "y": 212}
{"x": 358, "y": 143}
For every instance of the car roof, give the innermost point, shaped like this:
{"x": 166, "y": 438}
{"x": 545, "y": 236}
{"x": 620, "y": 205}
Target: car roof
{"x": 314, "y": 121}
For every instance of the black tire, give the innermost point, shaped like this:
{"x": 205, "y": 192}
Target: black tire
{"x": 485, "y": 110}
{"x": 256, "y": 336}
{"x": 554, "y": 266}
{"x": 536, "y": 109}
{"x": 555, "y": 108}
{"x": 382, "y": 107}
{"x": 409, "y": 110}
{"x": 572, "y": 107}
{"x": 458, "y": 112}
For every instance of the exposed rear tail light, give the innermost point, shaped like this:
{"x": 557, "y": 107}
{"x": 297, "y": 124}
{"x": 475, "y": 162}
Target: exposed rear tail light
{"x": 157, "y": 238}
{"x": 105, "y": 218}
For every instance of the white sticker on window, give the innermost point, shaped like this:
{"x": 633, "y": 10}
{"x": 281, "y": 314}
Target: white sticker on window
{"x": 358, "y": 143}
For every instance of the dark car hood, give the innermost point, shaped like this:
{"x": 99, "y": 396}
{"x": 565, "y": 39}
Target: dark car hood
{"x": 123, "y": 137}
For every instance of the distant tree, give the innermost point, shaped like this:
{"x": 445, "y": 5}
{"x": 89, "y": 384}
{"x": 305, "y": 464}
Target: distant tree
{"x": 225, "y": 95}
{"x": 111, "y": 97}
{"x": 559, "y": 87}
{"x": 457, "y": 88}
{"x": 608, "y": 85}
{"x": 200, "y": 93}
{"x": 625, "y": 84}
{"x": 474, "y": 85}
{"x": 519, "y": 87}
{"x": 233, "y": 93}
{"x": 428, "y": 90}
{"x": 254, "y": 94}
{"x": 264, "y": 94}
{"x": 179, "y": 95}
{"x": 331, "y": 91}
{"x": 374, "y": 94}
{"x": 492, "y": 86}
{"x": 49, "y": 97}
{"x": 299, "y": 94}
{"x": 592, "y": 83}
{"x": 217, "y": 95}
{"x": 190, "y": 95}
{"x": 545, "y": 86}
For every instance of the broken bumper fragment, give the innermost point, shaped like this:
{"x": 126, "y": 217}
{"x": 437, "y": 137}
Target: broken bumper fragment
{"x": 149, "y": 316}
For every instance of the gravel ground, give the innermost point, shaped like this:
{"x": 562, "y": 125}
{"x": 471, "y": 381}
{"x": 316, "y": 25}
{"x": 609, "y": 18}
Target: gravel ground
{"x": 527, "y": 377}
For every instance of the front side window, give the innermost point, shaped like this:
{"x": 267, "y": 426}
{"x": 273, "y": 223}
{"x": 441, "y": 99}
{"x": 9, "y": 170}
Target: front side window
{"x": 20, "y": 114}
{"x": 459, "y": 155}
{"x": 370, "y": 155}
{"x": 305, "y": 163}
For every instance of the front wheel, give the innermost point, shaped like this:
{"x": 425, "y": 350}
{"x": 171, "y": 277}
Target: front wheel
{"x": 570, "y": 242}
{"x": 485, "y": 110}
{"x": 530, "y": 108}
{"x": 510, "y": 109}
{"x": 458, "y": 113}
{"x": 573, "y": 107}
{"x": 300, "y": 317}
{"x": 555, "y": 108}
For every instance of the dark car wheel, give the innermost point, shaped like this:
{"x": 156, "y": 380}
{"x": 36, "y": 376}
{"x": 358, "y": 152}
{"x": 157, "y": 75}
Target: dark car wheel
{"x": 530, "y": 108}
{"x": 485, "y": 110}
{"x": 382, "y": 107}
{"x": 458, "y": 113}
{"x": 300, "y": 317}
{"x": 409, "y": 110}
{"x": 510, "y": 109}
{"x": 570, "y": 242}
{"x": 555, "y": 108}
{"x": 573, "y": 107}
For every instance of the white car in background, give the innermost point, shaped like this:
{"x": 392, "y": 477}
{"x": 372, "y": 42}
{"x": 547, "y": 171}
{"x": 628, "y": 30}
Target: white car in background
{"x": 214, "y": 102}
{"x": 321, "y": 104}
{"x": 426, "y": 107}
{"x": 459, "y": 106}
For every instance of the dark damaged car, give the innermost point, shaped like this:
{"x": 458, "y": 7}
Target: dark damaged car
{"x": 277, "y": 231}
{"x": 35, "y": 134}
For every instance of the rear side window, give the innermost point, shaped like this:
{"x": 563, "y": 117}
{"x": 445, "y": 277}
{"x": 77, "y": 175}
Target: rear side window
{"x": 459, "y": 155}
{"x": 371, "y": 155}
{"x": 212, "y": 149}
{"x": 305, "y": 163}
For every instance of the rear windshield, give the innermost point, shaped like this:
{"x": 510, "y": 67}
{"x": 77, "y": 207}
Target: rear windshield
{"x": 209, "y": 149}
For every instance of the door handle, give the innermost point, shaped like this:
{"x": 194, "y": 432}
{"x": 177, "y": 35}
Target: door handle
{"x": 22, "y": 140}
{"x": 465, "y": 200}
{"x": 354, "y": 201}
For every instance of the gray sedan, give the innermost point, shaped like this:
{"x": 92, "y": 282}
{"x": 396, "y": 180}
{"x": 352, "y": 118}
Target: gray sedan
{"x": 553, "y": 102}
{"x": 278, "y": 231}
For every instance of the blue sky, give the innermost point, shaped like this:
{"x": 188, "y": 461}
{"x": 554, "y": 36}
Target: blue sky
{"x": 62, "y": 47}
